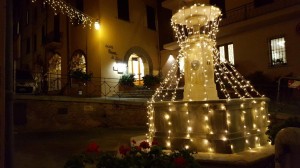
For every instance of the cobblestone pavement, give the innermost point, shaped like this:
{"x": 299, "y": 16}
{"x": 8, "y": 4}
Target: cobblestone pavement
{"x": 52, "y": 149}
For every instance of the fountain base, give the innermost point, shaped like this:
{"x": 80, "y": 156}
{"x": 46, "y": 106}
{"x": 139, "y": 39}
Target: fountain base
{"x": 219, "y": 126}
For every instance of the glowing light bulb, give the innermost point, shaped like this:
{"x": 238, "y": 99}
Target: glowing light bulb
{"x": 97, "y": 25}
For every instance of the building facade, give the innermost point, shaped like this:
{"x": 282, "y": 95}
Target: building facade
{"x": 51, "y": 45}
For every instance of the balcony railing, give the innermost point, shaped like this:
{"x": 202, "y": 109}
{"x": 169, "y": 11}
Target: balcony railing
{"x": 249, "y": 10}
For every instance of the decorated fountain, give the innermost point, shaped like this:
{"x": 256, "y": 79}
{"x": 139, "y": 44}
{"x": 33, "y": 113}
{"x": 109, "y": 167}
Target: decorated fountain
{"x": 220, "y": 111}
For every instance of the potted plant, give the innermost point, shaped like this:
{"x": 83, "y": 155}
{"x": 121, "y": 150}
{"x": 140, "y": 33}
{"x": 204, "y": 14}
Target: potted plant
{"x": 126, "y": 82}
{"x": 151, "y": 81}
{"x": 80, "y": 75}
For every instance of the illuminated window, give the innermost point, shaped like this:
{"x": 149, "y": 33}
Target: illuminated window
{"x": 78, "y": 61}
{"x": 54, "y": 73}
{"x": 277, "y": 51}
{"x": 226, "y": 53}
{"x": 181, "y": 64}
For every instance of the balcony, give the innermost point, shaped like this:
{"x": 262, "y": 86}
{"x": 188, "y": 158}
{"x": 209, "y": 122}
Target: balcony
{"x": 53, "y": 40}
{"x": 250, "y": 10}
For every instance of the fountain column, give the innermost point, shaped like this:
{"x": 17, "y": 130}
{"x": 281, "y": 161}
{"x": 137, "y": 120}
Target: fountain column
{"x": 199, "y": 70}
{"x": 198, "y": 49}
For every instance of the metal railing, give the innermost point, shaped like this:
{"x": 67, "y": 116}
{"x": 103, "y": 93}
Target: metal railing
{"x": 64, "y": 85}
{"x": 249, "y": 10}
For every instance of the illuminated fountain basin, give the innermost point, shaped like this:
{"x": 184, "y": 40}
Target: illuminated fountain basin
{"x": 219, "y": 126}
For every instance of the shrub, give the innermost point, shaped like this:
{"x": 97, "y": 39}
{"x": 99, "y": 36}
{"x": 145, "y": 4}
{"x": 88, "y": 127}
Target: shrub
{"x": 142, "y": 155}
{"x": 273, "y": 129}
{"x": 127, "y": 80}
{"x": 151, "y": 80}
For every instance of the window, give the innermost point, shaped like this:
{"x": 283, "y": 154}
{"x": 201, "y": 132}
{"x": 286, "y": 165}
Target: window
{"x": 123, "y": 10}
{"x": 78, "y": 61}
{"x": 79, "y": 5}
{"x": 150, "y": 17}
{"x": 54, "y": 72}
{"x": 56, "y": 28}
{"x": 226, "y": 53}
{"x": 277, "y": 51}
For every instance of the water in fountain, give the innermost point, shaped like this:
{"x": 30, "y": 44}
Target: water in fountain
{"x": 220, "y": 110}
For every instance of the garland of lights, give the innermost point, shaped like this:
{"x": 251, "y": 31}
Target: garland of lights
{"x": 72, "y": 13}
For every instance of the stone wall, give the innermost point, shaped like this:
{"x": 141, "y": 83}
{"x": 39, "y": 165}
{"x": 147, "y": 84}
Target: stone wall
{"x": 37, "y": 113}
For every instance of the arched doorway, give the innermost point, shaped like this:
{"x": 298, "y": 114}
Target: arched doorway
{"x": 139, "y": 63}
{"x": 136, "y": 67}
{"x": 54, "y": 73}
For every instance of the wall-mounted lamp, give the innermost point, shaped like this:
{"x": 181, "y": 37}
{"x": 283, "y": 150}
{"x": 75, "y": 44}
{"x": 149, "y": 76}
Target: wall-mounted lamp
{"x": 97, "y": 25}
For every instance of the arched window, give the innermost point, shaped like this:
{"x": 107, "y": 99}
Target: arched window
{"x": 54, "y": 73}
{"x": 78, "y": 61}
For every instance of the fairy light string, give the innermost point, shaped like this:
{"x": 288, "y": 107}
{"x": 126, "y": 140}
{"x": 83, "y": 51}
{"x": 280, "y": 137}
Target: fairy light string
{"x": 74, "y": 15}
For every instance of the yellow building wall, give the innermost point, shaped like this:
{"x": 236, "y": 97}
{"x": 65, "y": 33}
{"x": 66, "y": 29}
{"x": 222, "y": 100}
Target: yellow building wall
{"x": 121, "y": 35}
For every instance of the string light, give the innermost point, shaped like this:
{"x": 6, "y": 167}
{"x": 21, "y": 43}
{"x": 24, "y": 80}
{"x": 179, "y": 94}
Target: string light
{"x": 74, "y": 15}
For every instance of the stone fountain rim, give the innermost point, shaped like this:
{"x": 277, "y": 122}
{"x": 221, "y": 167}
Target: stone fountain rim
{"x": 234, "y": 100}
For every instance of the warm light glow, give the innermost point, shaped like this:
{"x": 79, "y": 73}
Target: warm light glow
{"x": 167, "y": 116}
{"x": 97, "y": 25}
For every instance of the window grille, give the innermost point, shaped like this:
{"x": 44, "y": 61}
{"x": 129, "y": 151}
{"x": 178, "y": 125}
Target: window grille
{"x": 278, "y": 53}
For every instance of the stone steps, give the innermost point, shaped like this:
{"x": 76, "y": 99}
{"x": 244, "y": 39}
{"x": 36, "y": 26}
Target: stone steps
{"x": 145, "y": 94}
{"x": 134, "y": 94}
